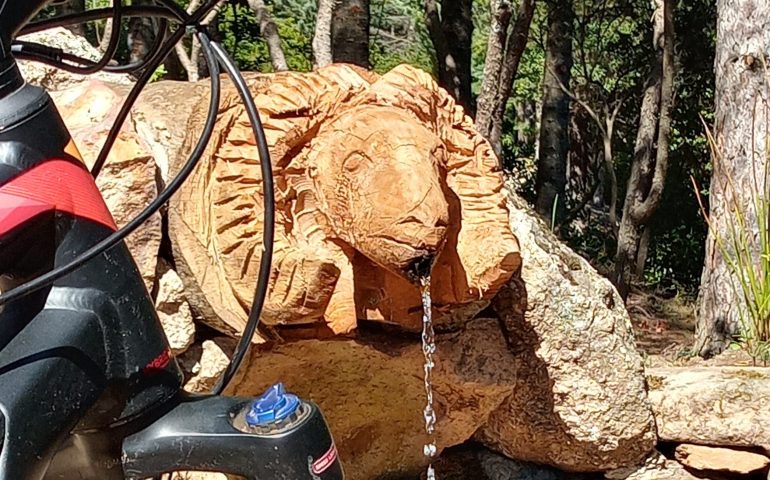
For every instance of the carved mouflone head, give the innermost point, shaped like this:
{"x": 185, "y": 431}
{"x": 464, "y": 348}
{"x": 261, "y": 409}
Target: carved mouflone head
{"x": 380, "y": 186}
{"x": 376, "y": 177}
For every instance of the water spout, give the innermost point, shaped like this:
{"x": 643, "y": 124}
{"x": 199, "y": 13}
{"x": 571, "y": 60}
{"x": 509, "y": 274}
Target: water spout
{"x": 428, "y": 349}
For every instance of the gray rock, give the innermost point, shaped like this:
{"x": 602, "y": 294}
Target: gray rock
{"x": 731, "y": 411}
{"x": 655, "y": 467}
{"x": 580, "y": 402}
{"x": 478, "y": 463}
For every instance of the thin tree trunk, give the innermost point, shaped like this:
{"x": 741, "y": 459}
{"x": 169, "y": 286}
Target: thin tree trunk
{"x": 554, "y": 139}
{"x": 191, "y": 61}
{"x": 350, "y": 32}
{"x": 322, "y": 39}
{"x": 650, "y": 164}
{"x": 493, "y": 66}
{"x": 451, "y": 32}
{"x": 741, "y": 125}
{"x": 609, "y": 170}
{"x": 73, "y": 6}
{"x": 517, "y": 43}
{"x": 104, "y": 42}
{"x": 270, "y": 33}
{"x": 504, "y": 54}
{"x": 639, "y": 180}
{"x": 641, "y": 255}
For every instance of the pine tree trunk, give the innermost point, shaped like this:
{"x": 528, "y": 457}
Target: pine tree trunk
{"x": 554, "y": 128}
{"x": 73, "y": 6}
{"x": 450, "y": 32}
{"x": 743, "y": 40}
{"x": 322, "y": 38}
{"x": 350, "y": 32}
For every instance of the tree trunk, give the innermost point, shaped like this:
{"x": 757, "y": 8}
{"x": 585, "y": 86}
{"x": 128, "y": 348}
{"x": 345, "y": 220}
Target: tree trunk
{"x": 650, "y": 163}
{"x": 350, "y": 32}
{"x": 141, "y": 34}
{"x": 493, "y": 66}
{"x": 743, "y": 38}
{"x": 73, "y": 6}
{"x": 322, "y": 39}
{"x": 451, "y": 32}
{"x": 270, "y": 33}
{"x": 641, "y": 254}
{"x": 503, "y": 57}
{"x": 517, "y": 43}
{"x": 554, "y": 127}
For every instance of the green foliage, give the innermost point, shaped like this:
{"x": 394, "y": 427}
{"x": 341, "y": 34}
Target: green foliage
{"x": 241, "y": 37}
{"x": 399, "y": 35}
{"x": 745, "y": 247}
{"x": 159, "y": 73}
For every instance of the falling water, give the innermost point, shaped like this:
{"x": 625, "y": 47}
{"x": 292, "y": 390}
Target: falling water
{"x": 428, "y": 349}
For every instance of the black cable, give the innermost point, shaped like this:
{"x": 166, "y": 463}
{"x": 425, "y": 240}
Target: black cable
{"x": 142, "y": 81}
{"x": 55, "y": 57}
{"x": 268, "y": 231}
{"x": 100, "y": 14}
{"x": 116, "y": 237}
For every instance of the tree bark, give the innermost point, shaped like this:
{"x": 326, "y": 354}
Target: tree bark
{"x": 650, "y": 163}
{"x": 451, "y": 32}
{"x": 350, "y": 32}
{"x": 554, "y": 128}
{"x": 504, "y": 54}
{"x": 140, "y": 34}
{"x": 322, "y": 39}
{"x": 493, "y": 66}
{"x": 740, "y": 131}
{"x": 73, "y": 6}
{"x": 270, "y": 33}
{"x": 517, "y": 43}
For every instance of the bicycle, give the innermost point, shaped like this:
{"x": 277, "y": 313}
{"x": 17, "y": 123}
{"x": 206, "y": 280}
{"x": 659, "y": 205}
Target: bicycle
{"x": 88, "y": 388}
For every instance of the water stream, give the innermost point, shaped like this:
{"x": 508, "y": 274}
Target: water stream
{"x": 428, "y": 349}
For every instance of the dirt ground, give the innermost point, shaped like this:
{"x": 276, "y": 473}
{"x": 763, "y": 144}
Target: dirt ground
{"x": 665, "y": 331}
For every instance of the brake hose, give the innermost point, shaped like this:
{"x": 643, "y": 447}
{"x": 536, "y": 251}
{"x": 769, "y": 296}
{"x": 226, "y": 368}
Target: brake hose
{"x": 266, "y": 260}
{"x": 90, "y": 66}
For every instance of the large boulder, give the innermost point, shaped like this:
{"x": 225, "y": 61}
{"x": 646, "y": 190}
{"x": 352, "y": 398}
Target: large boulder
{"x": 372, "y": 392}
{"x": 127, "y": 181}
{"x": 54, "y": 79}
{"x": 582, "y": 405}
{"x": 732, "y": 411}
